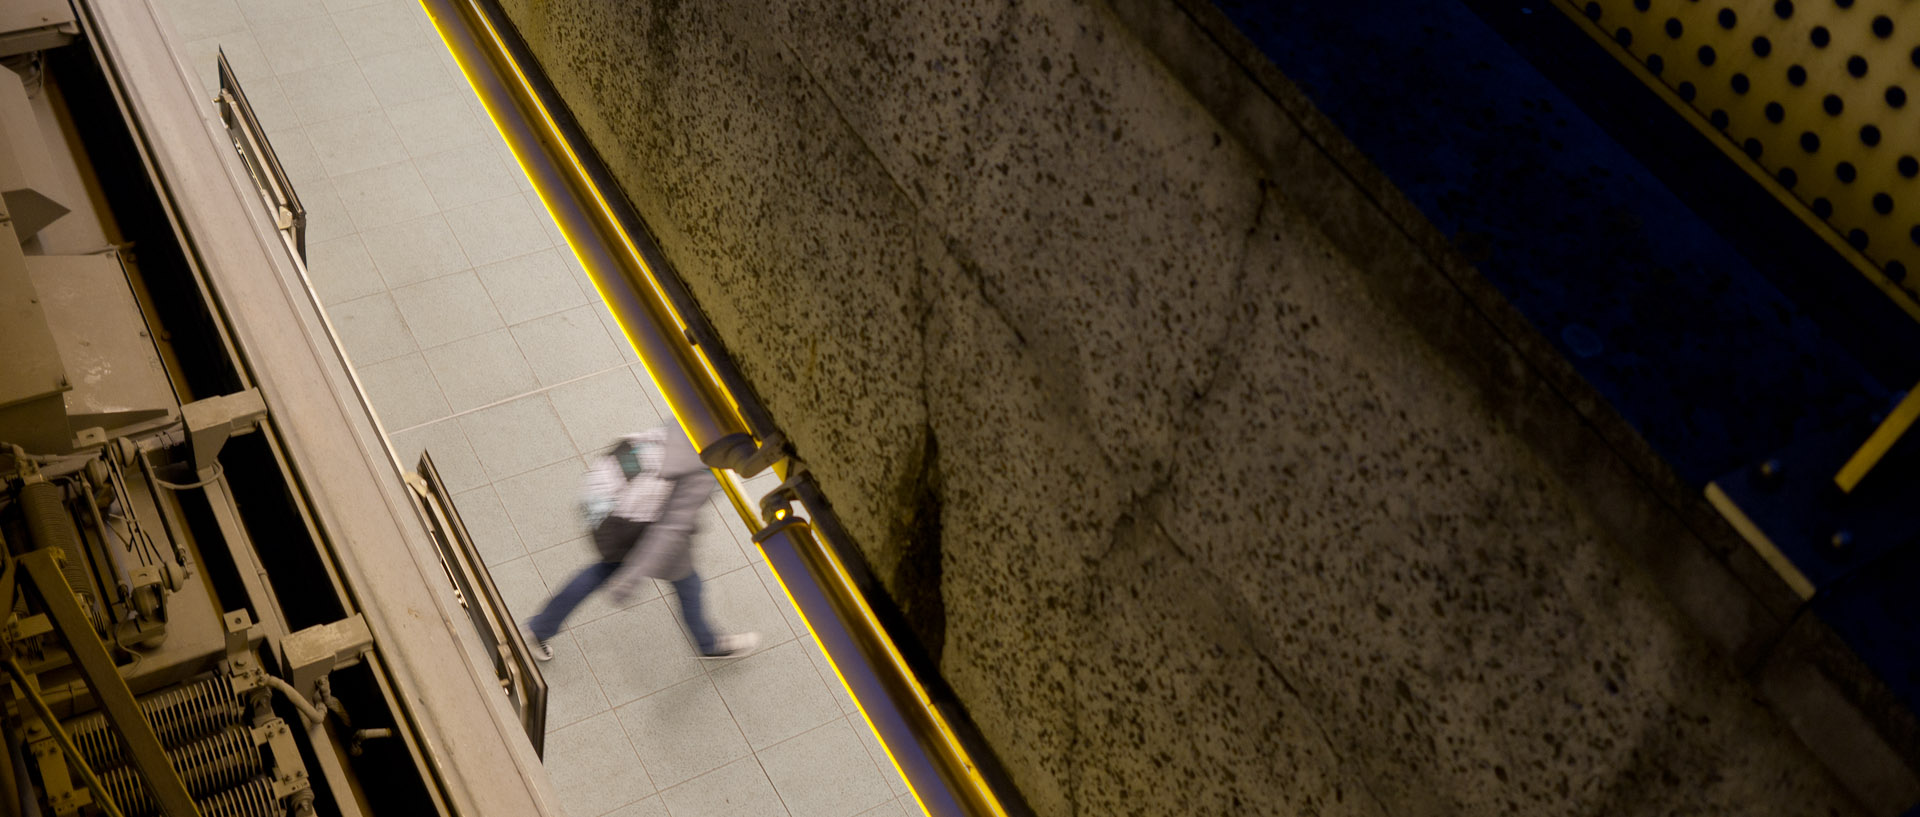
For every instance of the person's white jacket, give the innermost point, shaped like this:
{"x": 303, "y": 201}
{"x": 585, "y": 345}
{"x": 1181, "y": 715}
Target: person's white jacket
{"x": 667, "y": 495}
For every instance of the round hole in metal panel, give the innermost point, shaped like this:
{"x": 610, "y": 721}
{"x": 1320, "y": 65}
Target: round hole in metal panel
{"x": 1882, "y": 203}
{"x": 1832, "y": 105}
{"x": 1908, "y": 166}
{"x": 1783, "y": 9}
{"x": 1914, "y": 234}
{"x": 1718, "y": 118}
{"x": 1896, "y": 96}
{"x": 1896, "y": 271}
{"x": 1857, "y": 65}
{"x": 1775, "y": 113}
{"x": 1762, "y": 46}
{"x": 1706, "y": 55}
{"x": 1797, "y": 76}
{"x": 1820, "y": 37}
{"x": 1810, "y": 142}
{"x": 1858, "y": 238}
{"x": 1740, "y": 84}
{"x": 1728, "y": 19}
{"x": 1787, "y": 177}
{"x": 1655, "y": 64}
{"x": 1642, "y": 5}
{"x": 1752, "y": 147}
{"x": 1674, "y": 29}
{"x": 1883, "y": 26}
{"x": 1593, "y": 11}
{"x": 1870, "y": 135}
{"x": 1845, "y": 173}
{"x": 1623, "y": 37}
{"x": 1822, "y": 207}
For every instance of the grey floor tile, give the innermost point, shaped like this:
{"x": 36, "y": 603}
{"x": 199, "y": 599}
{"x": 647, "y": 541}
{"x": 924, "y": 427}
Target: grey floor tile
{"x": 354, "y": 143}
{"x": 415, "y": 251}
{"x": 194, "y": 19}
{"x": 620, "y": 340}
{"x": 446, "y": 309}
{"x": 775, "y": 694}
{"x": 385, "y": 27}
{"x": 795, "y": 622}
{"x": 326, "y": 92}
{"x": 532, "y": 285}
{"x": 554, "y": 234}
{"x": 385, "y": 195}
{"x": 297, "y": 45}
{"x": 243, "y": 53}
{"x": 402, "y": 391}
{"x": 737, "y": 603}
{"x": 480, "y": 370}
{"x": 371, "y": 329}
{"x": 714, "y": 550}
{"x": 650, "y": 807}
{"x": 279, "y": 11}
{"x": 566, "y": 345}
{"x": 517, "y": 436}
{"x": 439, "y": 123}
{"x": 637, "y": 652}
{"x": 573, "y": 694}
{"x": 560, "y": 563}
{"x": 881, "y": 760}
{"x": 825, "y": 772}
{"x": 297, "y": 158}
{"x": 465, "y": 175}
{"x": 497, "y": 230}
{"x": 738, "y": 789}
{"x": 326, "y": 216}
{"x": 640, "y": 373}
{"x": 683, "y": 731}
{"x": 891, "y": 808}
{"x": 452, "y": 456}
{"x": 488, "y": 525}
{"x": 600, "y": 409}
{"x": 593, "y": 767}
{"x": 348, "y": 5}
{"x": 341, "y": 270}
{"x": 545, "y": 503}
{"x": 520, "y": 587}
{"x": 272, "y": 107}
{"x": 409, "y": 74}
{"x": 842, "y": 697}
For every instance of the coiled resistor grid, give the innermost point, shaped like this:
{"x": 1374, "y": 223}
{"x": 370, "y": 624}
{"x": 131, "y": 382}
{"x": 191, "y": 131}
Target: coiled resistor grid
{"x": 1823, "y": 95}
{"x": 178, "y": 715}
{"x": 207, "y": 766}
{"x": 215, "y": 754}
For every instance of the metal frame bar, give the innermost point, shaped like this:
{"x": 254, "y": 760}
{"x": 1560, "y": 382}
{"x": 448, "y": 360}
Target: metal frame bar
{"x": 103, "y": 678}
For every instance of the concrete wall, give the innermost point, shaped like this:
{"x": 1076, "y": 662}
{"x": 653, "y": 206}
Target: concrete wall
{"x": 1196, "y": 515}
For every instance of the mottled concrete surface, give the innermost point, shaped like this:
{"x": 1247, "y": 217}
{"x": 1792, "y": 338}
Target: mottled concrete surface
{"x": 1194, "y": 522}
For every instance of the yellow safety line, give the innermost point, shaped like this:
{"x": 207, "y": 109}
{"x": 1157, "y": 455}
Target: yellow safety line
{"x": 1765, "y": 546}
{"x": 1880, "y": 442}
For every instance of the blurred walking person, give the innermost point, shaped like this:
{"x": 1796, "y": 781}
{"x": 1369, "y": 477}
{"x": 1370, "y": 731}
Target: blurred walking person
{"x": 642, "y": 500}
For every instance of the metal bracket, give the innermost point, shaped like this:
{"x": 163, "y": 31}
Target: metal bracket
{"x": 738, "y": 453}
{"x": 1882, "y": 440}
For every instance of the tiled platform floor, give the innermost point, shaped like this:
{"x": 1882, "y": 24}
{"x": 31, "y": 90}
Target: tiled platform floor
{"x": 480, "y": 340}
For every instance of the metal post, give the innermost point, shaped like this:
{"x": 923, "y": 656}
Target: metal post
{"x": 109, "y": 689}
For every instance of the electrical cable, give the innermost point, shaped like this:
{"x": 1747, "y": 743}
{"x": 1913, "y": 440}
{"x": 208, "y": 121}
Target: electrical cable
{"x": 171, "y": 486}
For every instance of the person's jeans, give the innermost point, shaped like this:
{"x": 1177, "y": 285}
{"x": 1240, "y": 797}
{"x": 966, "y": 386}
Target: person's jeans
{"x": 547, "y": 622}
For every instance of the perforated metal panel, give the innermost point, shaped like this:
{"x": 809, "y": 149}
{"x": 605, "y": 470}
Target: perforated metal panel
{"x": 1818, "y": 98}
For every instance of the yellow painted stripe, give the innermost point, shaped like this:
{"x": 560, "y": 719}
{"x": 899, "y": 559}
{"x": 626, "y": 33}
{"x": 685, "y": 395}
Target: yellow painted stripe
{"x": 1765, "y": 546}
{"x": 1880, "y": 442}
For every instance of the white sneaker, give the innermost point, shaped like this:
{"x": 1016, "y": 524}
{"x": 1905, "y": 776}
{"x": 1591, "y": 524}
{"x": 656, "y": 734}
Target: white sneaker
{"x": 738, "y": 645}
{"x": 539, "y": 648}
